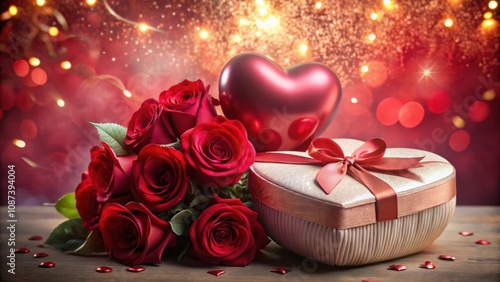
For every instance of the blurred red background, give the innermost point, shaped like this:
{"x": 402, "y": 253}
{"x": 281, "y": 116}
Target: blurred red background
{"x": 421, "y": 75}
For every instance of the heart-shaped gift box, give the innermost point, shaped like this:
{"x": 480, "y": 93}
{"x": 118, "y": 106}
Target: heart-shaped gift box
{"x": 343, "y": 228}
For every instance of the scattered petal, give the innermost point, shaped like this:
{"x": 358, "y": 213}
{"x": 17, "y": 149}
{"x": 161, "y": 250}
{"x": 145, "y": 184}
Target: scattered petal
{"x": 104, "y": 269}
{"x": 46, "y": 264}
{"x": 136, "y": 268}
{"x": 428, "y": 265}
{"x": 42, "y": 246}
{"x": 35, "y": 238}
{"x": 40, "y": 255}
{"x": 216, "y": 272}
{"x": 466, "y": 233}
{"x": 22, "y": 250}
{"x": 398, "y": 267}
{"x": 482, "y": 242}
{"x": 280, "y": 270}
{"x": 446, "y": 257}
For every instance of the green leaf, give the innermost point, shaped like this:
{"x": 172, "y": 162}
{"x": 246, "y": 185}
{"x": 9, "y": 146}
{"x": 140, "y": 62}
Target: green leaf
{"x": 181, "y": 220}
{"x": 72, "y": 245}
{"x": 184, "y": 251}
{"x": 66, "y": 205}
{"x": 114, "y": 135}
{"x": 176, "y": 145}
{"x": 199, "y": 199}
{"x": 94, "y": 245}
{"x": 68, "y": 230}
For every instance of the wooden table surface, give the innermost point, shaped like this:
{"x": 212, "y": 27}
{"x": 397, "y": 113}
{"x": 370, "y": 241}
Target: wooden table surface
{"x": 473, "y": 262}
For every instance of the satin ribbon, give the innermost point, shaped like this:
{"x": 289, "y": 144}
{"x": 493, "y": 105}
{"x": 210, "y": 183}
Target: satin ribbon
{"x": 369, "y": 156}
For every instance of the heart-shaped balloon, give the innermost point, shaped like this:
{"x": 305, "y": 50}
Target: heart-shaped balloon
{"x": 281, "y": 109}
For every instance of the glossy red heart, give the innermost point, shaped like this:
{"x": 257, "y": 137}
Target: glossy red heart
{"x": 281, "y": 109}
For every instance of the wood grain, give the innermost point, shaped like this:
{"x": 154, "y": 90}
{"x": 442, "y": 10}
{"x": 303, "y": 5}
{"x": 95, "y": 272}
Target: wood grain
{"x": 473, "y": 262}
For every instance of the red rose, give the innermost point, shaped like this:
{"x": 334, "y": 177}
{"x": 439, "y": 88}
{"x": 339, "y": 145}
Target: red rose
{"x": 149, "y": 125}
{"x": 86, "y": 203}
{"x": 227, "y": 233}
{"x": 187, "y": 104}
{"x": 110, "y": 175}
{"x": 218, "y": 152}
{"x": 159, "y": 177}
{"x": 133, "y": 235}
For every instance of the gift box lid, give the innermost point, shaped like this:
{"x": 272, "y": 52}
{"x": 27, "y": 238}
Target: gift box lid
{"x": 293, "y": 189}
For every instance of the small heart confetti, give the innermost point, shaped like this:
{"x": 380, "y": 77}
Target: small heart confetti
{"x": 482, "y": 242}
{"x": 136, "y": 268}
{"x": 104, "y": 269}
{"x": 280, "y": 270}
{"x": 216, "y": 272}
{"x": 22, "y": 250}
{"x": 46, "y": 264}
{"x": 41, "y": 246}
{"x": 446, "y": 257}
{"x": 398, "y": 267}
{"x": 428, "y": 265}
{"x": 40, "y": 255}
{"x": 466, "y": 233}
{"x": 35, "y": 238}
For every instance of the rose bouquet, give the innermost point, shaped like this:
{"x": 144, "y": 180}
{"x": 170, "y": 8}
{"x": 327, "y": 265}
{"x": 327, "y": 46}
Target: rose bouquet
{"x": 174, "y": 178}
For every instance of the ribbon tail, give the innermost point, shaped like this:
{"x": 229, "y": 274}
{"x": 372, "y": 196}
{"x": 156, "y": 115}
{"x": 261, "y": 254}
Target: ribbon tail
{"x": 330, "y": 175}
{"x": 386, "y": 201}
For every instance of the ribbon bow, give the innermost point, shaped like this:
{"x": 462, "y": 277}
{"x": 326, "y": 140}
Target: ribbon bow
{"x": 369, "y": 156}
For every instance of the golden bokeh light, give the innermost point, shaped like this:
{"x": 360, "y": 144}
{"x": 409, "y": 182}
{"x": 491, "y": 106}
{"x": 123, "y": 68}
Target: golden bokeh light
{"x": 203, "y": 34}
{"x": 143, "y": 27}
{"x": 127, "y": 93}
{"x": 448, "y": 22}
{"x": 458, "y": 122}
{"x": 65, "y": 65}
{"x": 19, "y": 143}
{"x": 60, "y": 102}
{"x": 489, "y": 95}
{"x": 13, "y": 10}
{"x": 34, "y": 61}
{"x": 53, "y": 31}
{"x": 303, "y": 49}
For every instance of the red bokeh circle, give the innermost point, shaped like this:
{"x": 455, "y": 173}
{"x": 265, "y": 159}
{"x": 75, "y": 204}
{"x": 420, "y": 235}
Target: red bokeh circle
{"x": 39, "y": 76}
{"x": 411, "y": 114}
{"x": 21, "y": 68}
{"x": 388, "y": 111}
{"x": 459, "y": 140}
{"x": 479, "y": 110}
{"x": 438, "y": 102}
{"x": 28, "y": 129}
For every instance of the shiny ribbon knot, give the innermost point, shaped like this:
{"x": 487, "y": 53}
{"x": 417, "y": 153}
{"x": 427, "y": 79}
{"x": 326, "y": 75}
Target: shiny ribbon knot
{"x": 369, "y": 156}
